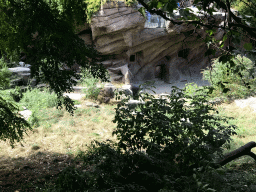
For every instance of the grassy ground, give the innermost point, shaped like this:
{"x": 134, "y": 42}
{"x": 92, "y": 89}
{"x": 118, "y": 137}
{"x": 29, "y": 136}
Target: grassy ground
{"x": 49, "y": 148}
{"x": 59, "y": 137}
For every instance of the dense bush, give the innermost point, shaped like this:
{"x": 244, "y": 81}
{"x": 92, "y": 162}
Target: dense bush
{"x": 4, "y": 75}
{"x": 87, "y": 80}
{"x": 190, "y": 135}
{"x": 232, "y": 80}
{"x": 16, "y": 94}
{"x": 12, "y": 125}
{"x": 105, "y": 168}
{"x": 35, "y": 99}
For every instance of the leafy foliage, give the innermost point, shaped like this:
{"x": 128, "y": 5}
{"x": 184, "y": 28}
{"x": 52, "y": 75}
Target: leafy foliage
{"x": 49, "y": 42}
{"x": 4, "y": 75}
{"x": 222, "y": 72}
{"x": 107, "y": 169}
{"x": 34, "y": 99}
{"x": 4, "y": 78}
{"x": 16, "y": 94}
{"x": 87, "y": 80}
{"x": 187, "y": 134}
{"x": 246, "y": 7}
{"x": 12, "y": 125}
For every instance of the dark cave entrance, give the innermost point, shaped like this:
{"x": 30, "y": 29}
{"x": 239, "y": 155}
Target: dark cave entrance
{"x": 160, "y": 71}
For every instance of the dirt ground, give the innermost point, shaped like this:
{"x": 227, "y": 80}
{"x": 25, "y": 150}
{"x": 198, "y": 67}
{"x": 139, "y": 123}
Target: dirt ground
{"x": 163, "y": 87}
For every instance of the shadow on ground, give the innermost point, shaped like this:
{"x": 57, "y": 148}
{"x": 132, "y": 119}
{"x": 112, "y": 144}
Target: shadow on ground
{"x": 27, "y": 173}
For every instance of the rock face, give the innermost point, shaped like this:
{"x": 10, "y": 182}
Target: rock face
{"x": 142, "y": 53}
{"x": 21, "y": 75}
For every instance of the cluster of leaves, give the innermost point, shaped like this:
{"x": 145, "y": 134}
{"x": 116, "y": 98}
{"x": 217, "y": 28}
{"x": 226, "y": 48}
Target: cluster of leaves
{"x": 54, "y": 44}
{"x": 16, "y": 94}
{"x": 105, "y": 168}
{"x": 222, "y": 72}
{"x": 187, "y": 134}
{"x": 13, "y": 126}
{"x": 4, "y": 78}
{"x": 34, "y": 99}
{"x": 245, "y": 7}
{"x": 93, "y": 6}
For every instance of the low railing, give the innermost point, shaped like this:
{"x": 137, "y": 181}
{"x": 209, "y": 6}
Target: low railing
{"x": 155, "y": 21}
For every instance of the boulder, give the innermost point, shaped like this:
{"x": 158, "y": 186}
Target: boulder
{"x": 21, "y": 76}
{"x": 126, "y": 89}
{"x": 106, "y": 94}
{"x": 121, "y": 72}
{"x": 133, "y": 103}
{"x": 26, "y": 113}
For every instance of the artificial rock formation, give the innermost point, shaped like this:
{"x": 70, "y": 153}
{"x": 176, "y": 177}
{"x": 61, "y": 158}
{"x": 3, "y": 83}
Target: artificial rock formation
{"x": 139, "y": 53}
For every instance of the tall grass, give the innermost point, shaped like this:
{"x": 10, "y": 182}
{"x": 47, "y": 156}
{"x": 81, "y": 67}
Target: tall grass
{"x": 5, "y": 75}
{"x": 35, "y": 99}
{"x": 87, "y": 80}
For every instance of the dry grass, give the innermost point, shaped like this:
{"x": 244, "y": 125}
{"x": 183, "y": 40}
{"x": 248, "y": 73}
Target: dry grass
{"x": 245, "y": 120}
{"x": 61, "y": 133}
{"x": 50, "y": 147}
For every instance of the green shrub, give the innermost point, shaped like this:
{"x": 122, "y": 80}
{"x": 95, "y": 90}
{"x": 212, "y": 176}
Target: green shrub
{"x": 105, "y": 168}
{"x": 221, "y": 72}
{"x": 12, "y": 125}
{"x": 35, "y": 99}
{"x": 187, "y": 134}
{"x": 16, "y": 94}
{"x": 5, "y": 75}
{"x": 33, "y": 120}
{"x": 87, "y": 80}
{"x": 191, "y": 88}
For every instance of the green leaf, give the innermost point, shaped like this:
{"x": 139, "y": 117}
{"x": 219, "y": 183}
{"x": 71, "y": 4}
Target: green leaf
{"x": 225, "y": 37}
{"x": 159, "y": 5}
{"x": 211, "y": 32}
{"x": 248, "y": 46}
{"x": 142, "y": 11}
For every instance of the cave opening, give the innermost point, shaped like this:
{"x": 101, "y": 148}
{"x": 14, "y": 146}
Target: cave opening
{"x": 160, "y": 71}
{"x": 132, "y": 58}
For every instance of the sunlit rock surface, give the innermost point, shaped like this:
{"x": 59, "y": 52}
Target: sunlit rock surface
{"x": 148, "y": 48}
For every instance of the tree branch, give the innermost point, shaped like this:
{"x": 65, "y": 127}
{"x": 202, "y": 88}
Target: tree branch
{"x": 250, "y": 30}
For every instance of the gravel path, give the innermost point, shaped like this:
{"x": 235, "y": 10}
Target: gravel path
{"x": 162, "y": 87}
